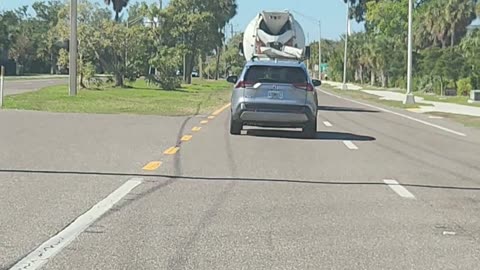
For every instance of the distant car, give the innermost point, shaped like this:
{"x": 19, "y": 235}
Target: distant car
{"x": 195, "y": 74}
{"x": 274, "y": 94}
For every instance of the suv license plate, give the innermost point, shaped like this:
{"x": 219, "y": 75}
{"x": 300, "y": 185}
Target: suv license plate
{"x": 275, "y": 94}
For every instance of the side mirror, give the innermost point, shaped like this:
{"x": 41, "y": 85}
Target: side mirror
{"x": 316, "y": 83}
{"x": 232, "y": 79}
{"x": 307, "y": 52}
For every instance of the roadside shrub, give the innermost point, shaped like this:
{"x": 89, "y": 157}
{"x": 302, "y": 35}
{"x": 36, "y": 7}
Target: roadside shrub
{"x": 402, "y": 83}
{"x": 423, "y": 84}
{"x": 464, "y": 86}
{"x": 166, "y": 63}
{"x": 165, "y": 82}
{"x": 450, "y": 84}
{"x": 88, "y": 71}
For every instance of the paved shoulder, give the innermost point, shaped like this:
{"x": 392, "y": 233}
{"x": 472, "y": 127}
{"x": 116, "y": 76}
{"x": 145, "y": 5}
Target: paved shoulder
{"x": 13, "y": 87}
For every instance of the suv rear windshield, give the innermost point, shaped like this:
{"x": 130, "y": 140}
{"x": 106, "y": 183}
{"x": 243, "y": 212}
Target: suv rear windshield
{"x": 275, "y": 74}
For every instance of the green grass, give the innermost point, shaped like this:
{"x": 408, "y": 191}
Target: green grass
{"x": 470, "y": 121}
{"x": 456, "y": 99}
{"x": 358, "y": 94}
{"x": 199, "y": 98}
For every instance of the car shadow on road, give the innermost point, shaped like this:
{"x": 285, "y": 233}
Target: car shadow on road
{"x": 321, "y": 135}
{"x": 345, "y": 109}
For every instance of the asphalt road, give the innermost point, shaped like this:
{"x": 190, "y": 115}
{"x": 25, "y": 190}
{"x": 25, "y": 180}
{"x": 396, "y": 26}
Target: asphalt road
{"x": 263, "y": 200}
{"x": 13, "y": 87}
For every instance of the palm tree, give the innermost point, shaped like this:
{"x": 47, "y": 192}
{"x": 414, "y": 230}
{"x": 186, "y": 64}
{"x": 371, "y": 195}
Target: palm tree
{"x": 444, "y": 21}
{"x": 440, "y": 27}
{"x": 118, "y": 6}
{"x": 460, "y": 13}
{"x": 423, "y": 36}
{"x": 357, "y": 56}
{"x": 470, "y": 46}
{"x": 224, "y": 11}
{"x": 364, "y": 58}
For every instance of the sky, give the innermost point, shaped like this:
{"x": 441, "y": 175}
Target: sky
{"x": 330, "y": 12}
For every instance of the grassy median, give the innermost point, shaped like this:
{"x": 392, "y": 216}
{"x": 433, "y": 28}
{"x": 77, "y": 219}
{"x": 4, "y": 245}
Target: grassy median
{"x": 198, "y": 98}
{"x": 462, "y": 100}
{"x": 466, "y": 120}
{"x": 358, "y": 94}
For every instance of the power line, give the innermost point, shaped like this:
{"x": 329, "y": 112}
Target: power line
{"x": 306, "y": 16}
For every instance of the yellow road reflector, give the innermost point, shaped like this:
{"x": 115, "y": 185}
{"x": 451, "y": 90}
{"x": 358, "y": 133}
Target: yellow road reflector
{"x": 195, "y": 129}
{"x": 151, "y": 166}
{"x": 413, "y": 110}
{"x": 186, "y": 138}
{"x": 171, "y": 151}
{"x": 219, "y": 111}
{"x": 203, "y": 122}
{"x": 211, "y": 117}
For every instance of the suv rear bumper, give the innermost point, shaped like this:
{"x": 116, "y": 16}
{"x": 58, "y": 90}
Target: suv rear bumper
{"x": 273, "y": 115}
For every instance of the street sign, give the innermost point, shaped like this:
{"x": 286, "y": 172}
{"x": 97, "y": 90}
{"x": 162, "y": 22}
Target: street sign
{"x": 324, "y": 67}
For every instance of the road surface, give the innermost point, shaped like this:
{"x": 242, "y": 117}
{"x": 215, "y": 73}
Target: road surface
{"x": 377, "y": 189}
{"x": 13, "y": 87}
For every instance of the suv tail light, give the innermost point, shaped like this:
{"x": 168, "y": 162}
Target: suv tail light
{"x": 243, "y": 84}
{"x": 305, "y": 86}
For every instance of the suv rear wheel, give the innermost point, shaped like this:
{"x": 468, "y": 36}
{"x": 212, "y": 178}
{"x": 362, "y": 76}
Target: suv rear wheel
{"x": 310, "y": 130}
{"x": 235, "y": 127}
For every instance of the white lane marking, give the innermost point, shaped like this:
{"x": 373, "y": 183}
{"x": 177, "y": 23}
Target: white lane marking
{"x": 399, "y": 189}
{"x": 350, "y": 145}
{"x": 435, "y": 117}
{"x": 327, "y": 124}
{"x": 54, "y": 245}
{"x": 399, "y": 114}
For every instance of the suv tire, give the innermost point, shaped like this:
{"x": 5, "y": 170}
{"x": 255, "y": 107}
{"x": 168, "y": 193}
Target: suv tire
{"x": 235, "y": 127}
{"x": 310, "y": 129}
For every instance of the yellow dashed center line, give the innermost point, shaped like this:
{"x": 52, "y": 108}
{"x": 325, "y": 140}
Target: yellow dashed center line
{"x": 219, "y": 111}
{"x": 186, "y": 138}
{"x": 171, "y": 151}
{"x": 151, "y": 166}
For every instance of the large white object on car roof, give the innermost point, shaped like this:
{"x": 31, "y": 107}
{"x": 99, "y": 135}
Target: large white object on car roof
{"x": 274, "y": 34}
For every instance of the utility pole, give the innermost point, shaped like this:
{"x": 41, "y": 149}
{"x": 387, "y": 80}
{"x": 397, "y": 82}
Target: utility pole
{"x": 73, "y": 48}
{"x": 344, "y": 85}
{"x": 308, "y": 60}
{"x": 2, "y": 75}
{"x": 409, "y": 97}
{"x": 224, "y": 48}
{"x": 126, "y": 45}
{"x": 320, "y": 51}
